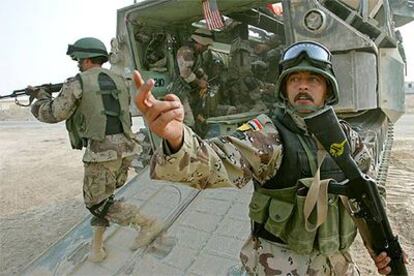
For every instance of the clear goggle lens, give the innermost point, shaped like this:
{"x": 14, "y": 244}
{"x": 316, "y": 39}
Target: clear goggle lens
{"x": 313, "y": 50}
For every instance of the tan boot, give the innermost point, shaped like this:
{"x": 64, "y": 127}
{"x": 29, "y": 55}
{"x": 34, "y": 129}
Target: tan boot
{"x": 149, "y": 230}
{"x": 97, "y": 252}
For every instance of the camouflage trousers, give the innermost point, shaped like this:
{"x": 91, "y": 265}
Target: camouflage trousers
{"x": 263, "y": 257}
{"x": 100, "y": 182}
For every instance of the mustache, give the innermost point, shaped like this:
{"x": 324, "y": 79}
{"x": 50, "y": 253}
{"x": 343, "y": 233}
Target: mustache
{"x": 304, "y": 95}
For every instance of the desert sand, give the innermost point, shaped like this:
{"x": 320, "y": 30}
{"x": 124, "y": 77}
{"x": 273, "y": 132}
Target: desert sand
{"x": 41, "y": 188}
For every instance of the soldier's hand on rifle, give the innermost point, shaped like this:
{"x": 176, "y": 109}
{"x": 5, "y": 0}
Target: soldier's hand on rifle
{"x": 164, "y": 117}
{"x": 203, "y": 84}
{"x": 200, "y": 118}
{"x": 382, "y": 262}
{"x": 32, "y": 91}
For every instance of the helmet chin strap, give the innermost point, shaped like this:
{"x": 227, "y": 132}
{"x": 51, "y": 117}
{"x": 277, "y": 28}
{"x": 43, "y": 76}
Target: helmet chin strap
{"x": 303, "y": 110}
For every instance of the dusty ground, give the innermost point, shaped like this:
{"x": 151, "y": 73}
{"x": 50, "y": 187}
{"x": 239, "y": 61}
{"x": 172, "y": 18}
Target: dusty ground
{"x": 41, "y": 180}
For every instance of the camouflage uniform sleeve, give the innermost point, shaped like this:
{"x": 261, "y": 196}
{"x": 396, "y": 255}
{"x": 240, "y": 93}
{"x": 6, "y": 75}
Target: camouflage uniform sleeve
{"x": 361, "y": 154}
{"x": 185, "y": 61}
{"x": 227, "y": 161}
{"x": 52, "y": 110}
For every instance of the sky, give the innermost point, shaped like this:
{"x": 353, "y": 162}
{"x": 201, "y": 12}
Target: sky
{"x": 35, "y": 35}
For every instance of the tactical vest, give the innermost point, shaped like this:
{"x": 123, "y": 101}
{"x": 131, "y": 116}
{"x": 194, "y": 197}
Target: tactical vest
{"x": 103, "y": 108}
{"x": 276, "y": 208}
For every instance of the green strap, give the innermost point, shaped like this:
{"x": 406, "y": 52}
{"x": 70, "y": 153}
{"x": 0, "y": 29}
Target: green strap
{"x": 317, "y": 197}
{"x": 108, "y": 92}
{"x": 114, "y": 93}
{"x": 311, "y": 158}
{"x": 110, "y": 113}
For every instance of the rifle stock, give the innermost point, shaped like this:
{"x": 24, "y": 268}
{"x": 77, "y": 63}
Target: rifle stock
{"x": 48, "y": 87}
{"x": 369, "y": 214}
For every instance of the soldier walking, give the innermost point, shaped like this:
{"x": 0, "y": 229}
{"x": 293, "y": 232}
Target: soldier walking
{"x": 95, "y": 105}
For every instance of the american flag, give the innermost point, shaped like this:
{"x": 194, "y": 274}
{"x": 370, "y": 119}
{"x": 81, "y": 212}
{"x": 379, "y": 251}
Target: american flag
{"x": 275, "y": 8}
{"x": 212, "y": 15}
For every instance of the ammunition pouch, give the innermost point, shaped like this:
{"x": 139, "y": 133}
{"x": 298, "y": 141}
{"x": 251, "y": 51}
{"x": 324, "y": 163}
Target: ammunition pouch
{"x": 277, "y": 215}
{"x": 76, "y": 141}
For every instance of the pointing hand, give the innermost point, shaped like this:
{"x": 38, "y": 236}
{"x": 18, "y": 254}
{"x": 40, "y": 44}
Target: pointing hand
{"x": 164, "y": 117}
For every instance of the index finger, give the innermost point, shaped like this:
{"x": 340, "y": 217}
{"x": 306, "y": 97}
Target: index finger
{"x": 144, "y": 98}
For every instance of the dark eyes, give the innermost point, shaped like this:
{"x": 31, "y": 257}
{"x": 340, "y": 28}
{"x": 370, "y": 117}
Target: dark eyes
{"x": 312, "y": 79}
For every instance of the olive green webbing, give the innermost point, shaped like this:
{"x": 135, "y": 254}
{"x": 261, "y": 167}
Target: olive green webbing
{"x": 311, "y": 158}
{"x": 317, "y": 195}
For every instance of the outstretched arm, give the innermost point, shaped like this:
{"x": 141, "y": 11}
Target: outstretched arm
{"x": 227, "y": 161}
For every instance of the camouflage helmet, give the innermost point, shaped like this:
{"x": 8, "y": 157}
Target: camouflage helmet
{"x": 203, "y": 37}
{"x": 307, "y": 56}
{"x": 87, "y": 47}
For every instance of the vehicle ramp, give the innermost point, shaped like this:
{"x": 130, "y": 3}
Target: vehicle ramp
{"x": 205, "y": 231}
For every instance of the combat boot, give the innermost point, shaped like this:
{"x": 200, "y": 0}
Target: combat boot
{"x": 97, "y": 252}
{"x": 149, "y": 229}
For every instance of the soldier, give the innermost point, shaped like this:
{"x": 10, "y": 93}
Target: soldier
{"x": 266, "y": 57}
{"x": 95, "y": 105}
{"x": 242, "y": 87}
{"x": 202, "y": 72}
{"x": 279, "y": 155}
{"x": 190, "y": 64}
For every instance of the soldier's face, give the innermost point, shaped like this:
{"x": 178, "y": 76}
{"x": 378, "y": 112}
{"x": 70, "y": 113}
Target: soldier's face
{"x": 85, "y": 64}
{"x": 199, "y": 47}
{"x": 306, "y": 91}
{"x": 81, "y": 65}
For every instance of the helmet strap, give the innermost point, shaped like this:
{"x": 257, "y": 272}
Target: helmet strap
{"x": 298, "y": 109}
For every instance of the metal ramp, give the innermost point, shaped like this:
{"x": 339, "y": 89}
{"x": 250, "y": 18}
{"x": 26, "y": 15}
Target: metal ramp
{"x": 207, "y": 229}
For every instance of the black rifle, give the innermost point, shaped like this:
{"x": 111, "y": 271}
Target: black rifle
{"x": 48, "y": 87}
{"x": 368, "y": 212}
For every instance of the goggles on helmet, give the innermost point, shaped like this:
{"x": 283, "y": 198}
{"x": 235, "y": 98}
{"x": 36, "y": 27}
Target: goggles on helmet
{"x": 72, "y": 49}
{"x": 315, "y": 52}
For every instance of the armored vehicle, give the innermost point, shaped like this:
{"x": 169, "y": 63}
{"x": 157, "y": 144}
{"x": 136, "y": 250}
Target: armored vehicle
{"x": 368, "y": 59}
{"x": 368, "y": 56}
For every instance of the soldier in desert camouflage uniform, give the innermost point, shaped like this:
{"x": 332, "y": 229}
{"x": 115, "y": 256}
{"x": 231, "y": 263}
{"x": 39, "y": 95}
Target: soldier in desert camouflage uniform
{"x": 95, "y": 105}
{"x": 191, "y": 60}
{"x": 280, "y": 156}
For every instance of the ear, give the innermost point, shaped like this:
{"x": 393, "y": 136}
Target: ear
{"x": 329, "y": 93}
{"x": 88, "y": 61}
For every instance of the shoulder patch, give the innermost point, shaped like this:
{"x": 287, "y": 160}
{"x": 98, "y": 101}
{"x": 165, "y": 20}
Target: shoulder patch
{"x": 257, "y": 123}
{"x": 253, "y": 124}
{"x": 244, "y": 127}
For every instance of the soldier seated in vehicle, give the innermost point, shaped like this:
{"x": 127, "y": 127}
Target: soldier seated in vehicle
{"x": 201, "y": 75}
{"x": 243, "y": 87}
{"x": 268, "y": 52}
{"x": 155, "y": 57}
{"x": 266, "y": 56}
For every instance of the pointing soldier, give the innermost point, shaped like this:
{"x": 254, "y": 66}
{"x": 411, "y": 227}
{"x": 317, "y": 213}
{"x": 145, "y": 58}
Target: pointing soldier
{"x": 280, "y": 156}
{"x": 95, "y": 105}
